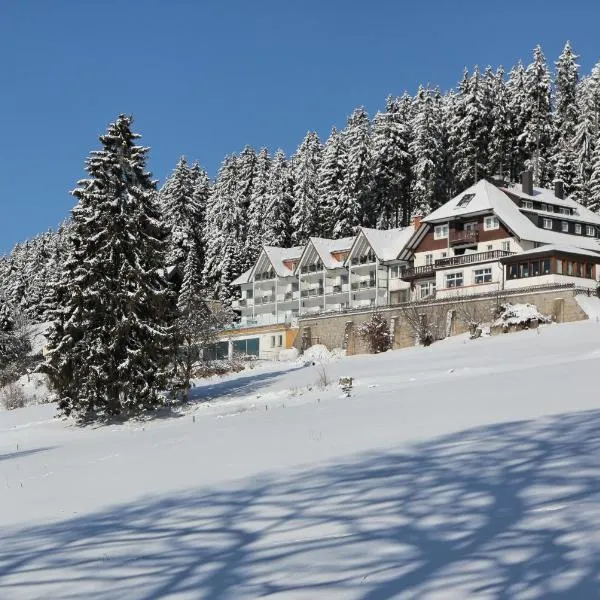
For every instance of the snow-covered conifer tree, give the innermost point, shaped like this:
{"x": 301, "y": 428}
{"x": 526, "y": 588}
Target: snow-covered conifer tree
{"x": 392, "y": 162}
{"x": 278, "y": 204}
{"x": 257, "y": 206}
{"x": 332, "y": 173}
{"x": 306, "y": 214}
{"x": 111, "y": 340}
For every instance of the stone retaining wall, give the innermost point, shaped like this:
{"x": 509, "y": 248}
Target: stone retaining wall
{"x": 340, "y": 330}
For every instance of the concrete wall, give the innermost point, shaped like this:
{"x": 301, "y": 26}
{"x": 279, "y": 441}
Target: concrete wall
{"x": 340, "y": 331}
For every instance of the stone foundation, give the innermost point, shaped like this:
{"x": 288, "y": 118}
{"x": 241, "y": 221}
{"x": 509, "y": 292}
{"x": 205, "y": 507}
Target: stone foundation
{"x": 340, "y": 330}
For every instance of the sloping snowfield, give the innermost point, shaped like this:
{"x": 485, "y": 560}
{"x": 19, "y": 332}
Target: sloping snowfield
{"x": 467, "y": 469}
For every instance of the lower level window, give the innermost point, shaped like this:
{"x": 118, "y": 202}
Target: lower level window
{"x": 454, "y": 280}
{"x": 483, "y": 275}
{"x": 427, "y": 289}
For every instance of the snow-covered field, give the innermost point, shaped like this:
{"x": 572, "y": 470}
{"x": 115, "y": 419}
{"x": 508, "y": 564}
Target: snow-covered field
{"x": 467, "y": 469}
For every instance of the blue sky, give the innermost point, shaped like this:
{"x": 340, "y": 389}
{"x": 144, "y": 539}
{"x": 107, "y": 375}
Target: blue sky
{"x": 205, "y": 78}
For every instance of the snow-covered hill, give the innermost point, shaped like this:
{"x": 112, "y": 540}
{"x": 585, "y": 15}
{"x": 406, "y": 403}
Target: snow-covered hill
{"x": 467, "y": 469}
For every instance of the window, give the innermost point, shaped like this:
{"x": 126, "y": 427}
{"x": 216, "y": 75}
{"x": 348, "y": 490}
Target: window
{"x": 559, "y": 266}
{"x": 523, "y": 269}
{"x": 506, "y": 246}
{"x": 590, "y": 230}
{"x": 472, "y": 226}
{"x": 440, "y": 232}
{"x": 483, "y": 275}
{"x": 429, "y": 259}
{"x": 589, "y": 270}
{"x": 491, "y": 223}
{"x": 578, "y": 228}
{"x": 564, "y": 227}
{"x": 490, "y": 247}
{"x": 546, "y": 266}
{"x": 444, "y": 254}
{"x": 535, "y": 268}
{"x": 249, "y": 294}
{"x": 513, "y": 271}
{"x": 464, "y": 201}
{"x": 544, "y": 207}
{"x": 564, "y": 211}
{"x": 427, "y": 289}
{"x": 394, "y": 272}
{"x": 280, "y": 340}
{"x": 547, "y": 223}
{"x": 272, "y": 341}
{"x": 454, "y": 280}
{"x": 527, "y": 204}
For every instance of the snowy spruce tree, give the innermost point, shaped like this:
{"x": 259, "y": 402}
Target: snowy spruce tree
{"x": 537, "y": 128}
{"x": 332, "y": 173}
{"x": 357, "y": 206}
{"x": 278, "y": 203}
{"x": 111, "y": 340}
{"x": 257, "y": 206}
{"x": 225, "y": 232}
{"x": 501, "y": 133}
{"x": 392, "y": 163}
{"x": 306, "y": 218}
{"x": 565, "y": 118}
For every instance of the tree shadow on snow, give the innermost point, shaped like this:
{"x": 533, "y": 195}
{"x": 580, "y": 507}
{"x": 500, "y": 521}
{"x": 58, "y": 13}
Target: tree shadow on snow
{"x": 497, "y": 512}
{"x": 237, "y": 386}
{"x": 24, "y": 453}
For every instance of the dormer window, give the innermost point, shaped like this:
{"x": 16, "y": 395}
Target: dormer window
{"x": 564, "y": 227}
{"x": 464, "y": 201}
{"x": 527, "y": 204}
{"x": 591, "y": 231}
{"x": 547, "y": 223}
{"x": 578, "y": 228}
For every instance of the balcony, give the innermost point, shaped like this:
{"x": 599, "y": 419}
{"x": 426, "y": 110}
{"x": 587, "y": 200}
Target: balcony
{"x": 411, "y": 273}
{"x": 459, "y": 238}
{"x": 264, "y": 300}
{"x": 365, "y": 284}
{"x": 311, "y": 293}
{"x": 468, "y": 259}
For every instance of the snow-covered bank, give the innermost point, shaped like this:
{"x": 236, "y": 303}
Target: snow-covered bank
{"x": 442, "y": 475}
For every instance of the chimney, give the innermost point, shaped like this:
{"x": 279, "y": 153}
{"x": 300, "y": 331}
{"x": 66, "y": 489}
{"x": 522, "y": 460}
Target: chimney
{"x": 527, "y": 182}
{"x": 417, "y": 221}
{"x": 559, "y": 189}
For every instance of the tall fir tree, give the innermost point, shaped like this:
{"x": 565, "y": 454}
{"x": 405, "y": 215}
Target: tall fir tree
{"x": 392, "y": 162}
{"x": 111, "y": 340}
{"x": 278, "y": 203}
{"x": 332, "y": 173}
{"x": 306, "y": 214}
{"x": 537, "y": 128}
{"x": 565, "y": 118}
{"x": 427, "y": 148}
{"x": 501, "y": 132}
{"x": 258, "y": 205}
{"x": 357, "y": 206}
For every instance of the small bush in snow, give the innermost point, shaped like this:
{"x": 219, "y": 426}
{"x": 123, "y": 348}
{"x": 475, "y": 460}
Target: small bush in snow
{"x": 519, "y": 315}
{"x": 323, "y": 379}
{"x": 376, "y": 332}
{"x": 12, "y": 396}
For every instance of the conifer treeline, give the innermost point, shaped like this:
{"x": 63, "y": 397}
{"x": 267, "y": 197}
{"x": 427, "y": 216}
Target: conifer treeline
{"x": 409, "y": 158}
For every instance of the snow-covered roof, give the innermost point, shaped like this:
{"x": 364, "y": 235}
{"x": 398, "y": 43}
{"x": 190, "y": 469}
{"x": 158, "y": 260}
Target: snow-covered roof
{"x": 279, "y": 256}
{"x": 489, "y": 198}
{"x": 243, "y": 278}
{"x": 581, "y": 213}
{"x": 387, "y": 243}
{"x": 325, "y": 247}
{"x": 557, "y": 249}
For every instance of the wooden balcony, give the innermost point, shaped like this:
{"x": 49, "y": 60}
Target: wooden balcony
{"x": 461, "y": 238}
{"x": 411, "y": 273}
{"x": 468, "y": 259}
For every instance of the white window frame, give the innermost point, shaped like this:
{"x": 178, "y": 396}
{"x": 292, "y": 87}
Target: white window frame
{"x": 527, "y": 204}
{"x": 485, "y": 274}
{"x": 547, "y": 223}
{"x": 470, "y": 226}
{"x": 441, "y": 232}
{"x": 578, "y": 228}
{"x": 564, "y": 226}
{"x": 452, "y": 279}
{"x": 272, "y": 341}
{"x": 490, "y": 223}
{"x": 428, "y": 259}
{"x": 429, "y": 286}
{"x": 280, "y": 340}
{"x": 506, "y": 246}
{"x": 394, "y": 271}
{"x": 590, "y": 230}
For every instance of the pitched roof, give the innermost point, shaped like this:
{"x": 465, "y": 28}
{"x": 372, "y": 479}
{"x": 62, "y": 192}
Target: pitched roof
{"x": 243, "y": 278}
{"x": 387, "y": 243}
{"x": 324, "y": 248}
{"x": 277, "y": 256}
{"x": 489, "y": 198}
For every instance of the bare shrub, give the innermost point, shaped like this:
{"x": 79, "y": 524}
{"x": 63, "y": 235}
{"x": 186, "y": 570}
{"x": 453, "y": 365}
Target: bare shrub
{"x": 473, "y": 314}
{"x": 323, "y": 379}
{"x": 427, "y": 322}
{"x": 12, "y": 396}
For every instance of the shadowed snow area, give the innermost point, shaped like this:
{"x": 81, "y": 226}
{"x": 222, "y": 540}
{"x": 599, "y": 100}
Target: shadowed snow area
{"x": 468, "y": 469}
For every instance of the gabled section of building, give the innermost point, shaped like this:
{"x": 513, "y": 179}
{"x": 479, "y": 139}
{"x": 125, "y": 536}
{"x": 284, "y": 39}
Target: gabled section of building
{"x": 460, "y": 248}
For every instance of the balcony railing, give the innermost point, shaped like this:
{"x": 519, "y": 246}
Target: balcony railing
{"x": 414, "y": 272}
{"x": 467, "y": 259}
{"x": 463, "y": 237}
